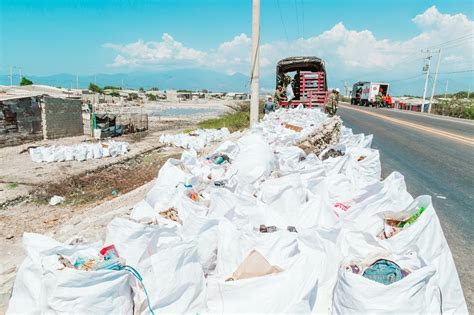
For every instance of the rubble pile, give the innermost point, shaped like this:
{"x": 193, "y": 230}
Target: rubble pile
{"x": 258, "y": 226}
{"x": 326, "y": 135}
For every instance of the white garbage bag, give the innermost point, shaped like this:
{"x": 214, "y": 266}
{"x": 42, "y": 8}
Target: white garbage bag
{"x": 255, "y": 159}
{"x": 43, "y": 285}
{"x": 36, "y": 155}
{"x": 174, "y": 280}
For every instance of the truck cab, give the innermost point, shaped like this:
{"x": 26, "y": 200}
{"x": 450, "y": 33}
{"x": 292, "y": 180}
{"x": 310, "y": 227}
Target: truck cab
{"x": 305, "y": 77}
{"x": 356, "y": 92}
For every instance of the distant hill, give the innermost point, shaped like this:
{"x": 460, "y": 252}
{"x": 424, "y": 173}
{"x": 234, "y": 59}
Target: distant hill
{"x": 194, "y": 79}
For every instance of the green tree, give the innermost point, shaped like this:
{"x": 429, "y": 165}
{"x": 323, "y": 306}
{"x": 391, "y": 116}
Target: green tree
{"x": 95, "y": 88}
{"x": 154, "y": 89}
{"x": 152, "y": 97}
{"x": 141, "y": 90}
{"x": 114, "y": 94}
{"x": 25, "y": 81}
{"x": 111, "y": 87}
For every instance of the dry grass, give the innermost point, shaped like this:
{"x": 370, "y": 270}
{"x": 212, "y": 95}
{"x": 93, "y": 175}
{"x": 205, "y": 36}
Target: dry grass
{"x": 108, "y": 182}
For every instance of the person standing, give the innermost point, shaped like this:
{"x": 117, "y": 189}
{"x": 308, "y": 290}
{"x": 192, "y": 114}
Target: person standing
{"x": 331, "y": 104}
{"x": 279, "y": 95}
{"x": 269, "y": 106}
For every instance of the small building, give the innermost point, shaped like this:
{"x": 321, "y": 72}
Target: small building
{"x": 34, "y": 116}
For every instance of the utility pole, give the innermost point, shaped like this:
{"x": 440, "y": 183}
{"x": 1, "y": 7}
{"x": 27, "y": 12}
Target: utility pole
{"x": 254, "y": 76}
{"x": 11, "y": 76}
{"x": 446, "y": 89}
{"x": 434, "y": 81}
{"x": 427, "y": 69}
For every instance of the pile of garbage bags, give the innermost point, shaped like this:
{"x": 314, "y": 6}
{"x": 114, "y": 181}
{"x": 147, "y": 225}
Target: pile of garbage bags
{"x": 197, "y": 139}
{"x": 258, "y": 226}
{"x": 80, "y": 152}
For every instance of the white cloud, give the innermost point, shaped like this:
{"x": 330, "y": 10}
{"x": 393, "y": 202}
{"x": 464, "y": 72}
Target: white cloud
{"x": 346, "y": 52}
{"x": 162, "y": 53}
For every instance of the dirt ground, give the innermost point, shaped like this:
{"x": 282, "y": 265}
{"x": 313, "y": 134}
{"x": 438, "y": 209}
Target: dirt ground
{"x": 19, "y": 174}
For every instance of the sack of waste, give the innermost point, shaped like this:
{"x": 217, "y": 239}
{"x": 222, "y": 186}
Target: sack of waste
{"x": 174, "y": 280}
{"x": 386, "y": 284}
{"x": 59, "y": 278}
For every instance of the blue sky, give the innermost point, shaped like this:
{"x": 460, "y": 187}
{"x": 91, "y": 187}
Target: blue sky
{"x": 87, "y": 37}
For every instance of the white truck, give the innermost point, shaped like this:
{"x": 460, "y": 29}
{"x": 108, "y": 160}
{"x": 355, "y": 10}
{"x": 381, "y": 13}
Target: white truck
{"x": 370, "y": 90}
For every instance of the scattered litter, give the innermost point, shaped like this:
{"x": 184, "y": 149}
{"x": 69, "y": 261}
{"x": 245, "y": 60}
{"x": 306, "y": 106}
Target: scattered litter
{"x": 254, "y": 265}
{"x": 331, "y": 153}
{"x": 292, "y": 127}
{"x": 267, "y": 229}
{"x": 383, "y": 271}
{"x": 55, "y": 200}
{"x": 171, "y": 214}
{"x": 393, "y": 226}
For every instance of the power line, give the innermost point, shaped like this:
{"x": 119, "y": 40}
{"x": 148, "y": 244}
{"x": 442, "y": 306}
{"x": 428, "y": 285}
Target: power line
{"x": 405, "y": 79}
{"x": 283, "y": 22}
{"x": 302, "y": 9}
{"x": 462, "y": 71}
{"x": 462, "y": 38}
{"x": 297, "y": 18}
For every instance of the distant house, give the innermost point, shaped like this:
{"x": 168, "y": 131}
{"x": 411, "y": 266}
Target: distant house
{"x": 32, "y": 116}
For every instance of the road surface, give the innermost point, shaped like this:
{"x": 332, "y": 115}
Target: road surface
{"x": 436, "y": 156}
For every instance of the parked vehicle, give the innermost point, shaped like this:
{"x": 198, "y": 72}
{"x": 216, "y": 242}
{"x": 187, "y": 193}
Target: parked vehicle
{"x": 370, "y": 90}
{"x": 356, "y": 92}
{"x": 303, "y": 79}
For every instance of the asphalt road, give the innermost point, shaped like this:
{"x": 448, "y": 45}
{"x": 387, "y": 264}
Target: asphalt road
{"x": 436, "y": 156}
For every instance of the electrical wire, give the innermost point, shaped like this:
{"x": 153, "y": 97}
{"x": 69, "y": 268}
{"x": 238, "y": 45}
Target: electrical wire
{"x": 302, "y": 10}
{"x": 283, "y": 22}
{"x": 462, "y": 71}
{"x": 462, "y": 38}
{"x": 297, "y": 18}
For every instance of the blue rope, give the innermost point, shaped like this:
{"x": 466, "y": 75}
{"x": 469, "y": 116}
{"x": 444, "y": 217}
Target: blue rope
{"x": 135, "y": 273}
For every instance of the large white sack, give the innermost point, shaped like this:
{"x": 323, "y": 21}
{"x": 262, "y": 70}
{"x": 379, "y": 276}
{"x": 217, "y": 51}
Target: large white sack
{"x": 294, "y": 290}
{"x": 26, "y": 296}
{"x": 235, "y": 244}
{"x": 174, "y": 280}
{"x": 36, "y": 155}
{"x": 255, "y": 159}
{"x": 170, "y": 175}
{"x": 134, "y": 241}
{"x": 418, "y": 292}
{"x": 355, "y": 294}
{"x": 389, "y": 195}
{"x": 289, "y": 157}
{"x": 366, "y": 171}
{"x": 98, "y": 292}
{"x": 427, "y": 235}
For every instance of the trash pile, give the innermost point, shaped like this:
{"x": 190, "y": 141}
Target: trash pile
{"x": 260, "y": 226}
{"x": 197, "y": 139}
{"x": 80, "y": 152}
